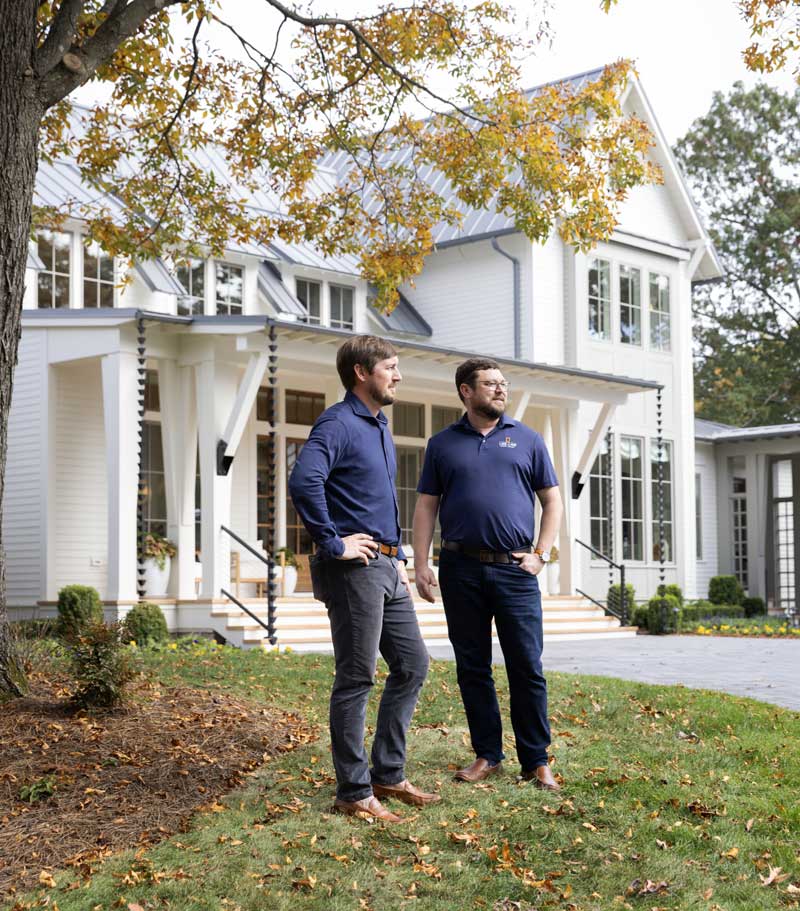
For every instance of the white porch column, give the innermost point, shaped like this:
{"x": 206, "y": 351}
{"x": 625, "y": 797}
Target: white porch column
{"x": 179, "y": 433}
{"x": 216, "y": 386}
{"x": 120, "y": 416}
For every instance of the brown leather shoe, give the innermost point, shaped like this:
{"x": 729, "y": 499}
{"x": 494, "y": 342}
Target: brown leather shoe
{"x": 406, "y": 792}
{"x": 542, "y": 778}
{"x": 368, "y": 807}
{"x": 478, "y": 771}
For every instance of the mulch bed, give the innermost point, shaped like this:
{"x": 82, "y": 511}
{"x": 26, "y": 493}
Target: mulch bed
{"x": 122, "y": 778}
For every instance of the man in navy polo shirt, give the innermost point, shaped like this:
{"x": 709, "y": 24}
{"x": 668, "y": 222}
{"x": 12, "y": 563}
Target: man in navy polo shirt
{"x": 485, "y": 471}
{"x": 343, "y": 487}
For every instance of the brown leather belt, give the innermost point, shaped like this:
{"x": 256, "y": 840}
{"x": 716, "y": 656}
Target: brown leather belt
{"x": 485, "y": 556}
{"x": 388, "y": 550}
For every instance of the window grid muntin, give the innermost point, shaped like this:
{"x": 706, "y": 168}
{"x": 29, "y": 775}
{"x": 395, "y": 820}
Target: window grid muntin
{"x": 303, "y": 407}
{"x": 53, "y": 283}
{"x": 408, "y": 419}
{"x": 669, "y": 554}
{"x": 632, "y": 499}
{"x": 630, "y": 305}
{"x": 783, "y": 534}
{"x": 229, "y": 289}
{"x": 297, "y": 538}
{"x": 600, "y": 299}
{"x": 309, "y": 293}
{"x": 739, "y": 528}
{"x": 443, "y": 416}
{"x": 409, "y": 468}
{"x": 660, "y": 314}
{"x": 342, "y": 298}
{"x": 191, "y": 274}
{"x": 98, "y": 276}
{"x": 155, "y": 495}
{"x": 600, "y": 489}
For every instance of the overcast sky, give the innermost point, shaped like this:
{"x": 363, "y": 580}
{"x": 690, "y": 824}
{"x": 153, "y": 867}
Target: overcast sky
{"x": 684, "y": 49}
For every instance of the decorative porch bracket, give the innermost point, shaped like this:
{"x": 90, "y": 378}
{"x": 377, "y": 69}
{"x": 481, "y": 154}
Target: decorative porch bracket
{"x": 242, "y": 407}
{"x": 599, "y": 431}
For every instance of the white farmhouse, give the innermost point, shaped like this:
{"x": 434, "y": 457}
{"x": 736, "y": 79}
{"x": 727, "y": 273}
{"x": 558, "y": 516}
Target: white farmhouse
{"x": 597, "y": 349}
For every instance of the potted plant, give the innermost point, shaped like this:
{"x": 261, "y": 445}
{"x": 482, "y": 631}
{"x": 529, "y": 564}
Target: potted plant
{"x": 288, "y": 561}
{"x": 158, "y": 553}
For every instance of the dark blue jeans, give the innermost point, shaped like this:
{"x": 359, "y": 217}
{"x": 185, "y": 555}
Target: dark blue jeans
{"x": 370, "y": 611}
{"x": 473, "y": 594}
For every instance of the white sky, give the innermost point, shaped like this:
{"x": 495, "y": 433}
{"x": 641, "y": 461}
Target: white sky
{"x": 684, "y": 49}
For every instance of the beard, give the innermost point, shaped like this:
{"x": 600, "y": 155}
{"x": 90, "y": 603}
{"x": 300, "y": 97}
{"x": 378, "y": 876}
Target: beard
{"x": 492, "y": 410}
{"x": 382, "y": 397}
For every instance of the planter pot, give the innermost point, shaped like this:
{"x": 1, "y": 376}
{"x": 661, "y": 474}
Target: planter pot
{"x": 289, "y": 581}
{"x": 156, "y": 581}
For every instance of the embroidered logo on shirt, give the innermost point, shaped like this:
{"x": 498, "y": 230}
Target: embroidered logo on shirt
{"x": 507, "y": 443}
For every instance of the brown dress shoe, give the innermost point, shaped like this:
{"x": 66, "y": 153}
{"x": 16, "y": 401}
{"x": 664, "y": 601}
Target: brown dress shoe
{"x": 478, "y": 771}
{"x": 406, "y": 792}
{"x": 368, "y": 807}
{"x": 542, "y": 778}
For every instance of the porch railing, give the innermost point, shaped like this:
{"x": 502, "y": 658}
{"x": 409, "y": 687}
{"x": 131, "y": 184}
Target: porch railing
{"x": 269, "y": 626}
{"x": 622, "y": 613}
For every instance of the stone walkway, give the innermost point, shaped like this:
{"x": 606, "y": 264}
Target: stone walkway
{"x": 765, "y": 669}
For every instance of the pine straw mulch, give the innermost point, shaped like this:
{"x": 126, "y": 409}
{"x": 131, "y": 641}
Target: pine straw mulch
{"x": 122, "y": 778}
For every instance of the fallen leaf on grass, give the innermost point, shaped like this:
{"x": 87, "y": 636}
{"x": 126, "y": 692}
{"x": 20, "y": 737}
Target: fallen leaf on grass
{"x": 732, "y": 854}
{"x": 662, "y": 844}
{"x": 749, "y": 825}
{"x": 648, "y": 888}
{"x": 792, "y": 889}
{"x": 707, "y": 894}
{"x": 774, "y": 876}
{"x": 132, "y": 906}
{"x": 46, "y": 879}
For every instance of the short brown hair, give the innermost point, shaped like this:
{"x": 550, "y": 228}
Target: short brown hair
{"x": 465, "y": 373}
{"x": 366, "y": 350}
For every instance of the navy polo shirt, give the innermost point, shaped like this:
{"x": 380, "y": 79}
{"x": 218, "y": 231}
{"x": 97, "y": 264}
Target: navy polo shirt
{"x": 343, "y": 480}
{"x": 487, "y": 484}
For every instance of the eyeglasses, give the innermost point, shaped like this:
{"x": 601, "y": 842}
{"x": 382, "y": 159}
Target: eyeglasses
{"x": 491, "y": 384}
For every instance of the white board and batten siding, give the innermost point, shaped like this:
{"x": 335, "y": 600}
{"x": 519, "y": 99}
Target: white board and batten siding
{"x": 79, "y": 513}
{"x": 708, "y": 561}
{"x": 24, "y": 508}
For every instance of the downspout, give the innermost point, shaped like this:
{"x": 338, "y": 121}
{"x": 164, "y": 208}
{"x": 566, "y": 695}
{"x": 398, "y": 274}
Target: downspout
{"x": 517, "y": 300}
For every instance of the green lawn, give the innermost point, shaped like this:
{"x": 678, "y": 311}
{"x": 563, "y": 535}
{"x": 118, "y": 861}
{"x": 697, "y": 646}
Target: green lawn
{"x": 674, "y": 799}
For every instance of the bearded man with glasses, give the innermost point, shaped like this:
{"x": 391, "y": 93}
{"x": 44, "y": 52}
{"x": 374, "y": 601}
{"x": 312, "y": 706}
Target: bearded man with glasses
{"x": 486, "y": 472}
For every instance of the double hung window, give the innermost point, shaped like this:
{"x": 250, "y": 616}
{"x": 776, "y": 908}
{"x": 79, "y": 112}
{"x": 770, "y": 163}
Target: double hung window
{"x": 98, "y": 277}
{"x": 53, "y": 282}
{"x": 230, "y": 289}
{"x": 191, "y": 275}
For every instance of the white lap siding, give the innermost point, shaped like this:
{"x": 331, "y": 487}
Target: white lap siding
{"x": 80, "y": 514}
{"x": 24, "y": 529}
{"x": 706, "y": 468}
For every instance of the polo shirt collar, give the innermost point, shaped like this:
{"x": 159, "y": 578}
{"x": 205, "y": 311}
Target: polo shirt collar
{"x": 361, "y": 409}
{"x": 503, "y": 422}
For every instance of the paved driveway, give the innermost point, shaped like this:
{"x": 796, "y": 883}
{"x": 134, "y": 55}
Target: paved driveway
{"x": 765, "y": 669}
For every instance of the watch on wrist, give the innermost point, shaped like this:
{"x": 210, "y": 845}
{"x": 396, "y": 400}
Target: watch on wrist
{"x": 543, "y": 555}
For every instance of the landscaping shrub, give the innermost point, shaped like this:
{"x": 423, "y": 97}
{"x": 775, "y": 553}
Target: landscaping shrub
{"x": 662, "y": 614}
{"x": 694, "y": 611}
{"x": 754, "y": 607}
{"x": 725, "y": 590}
{"x": 100, "y": 664}
{"x": 722, "y": 611}
{"x": 639, "y": 616}
{"x": 78, "y": 607}
{"x": 614, "y": 598}
{"x": 672, "y": 589}
{"x": 145, "y": 624}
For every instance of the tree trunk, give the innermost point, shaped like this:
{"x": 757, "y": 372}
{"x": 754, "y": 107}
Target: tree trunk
{"x": 20, "y": 117}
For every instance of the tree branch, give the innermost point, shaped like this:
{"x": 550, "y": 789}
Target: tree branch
{"x": 60, "y": 37}
{"x": 122, "y": 24}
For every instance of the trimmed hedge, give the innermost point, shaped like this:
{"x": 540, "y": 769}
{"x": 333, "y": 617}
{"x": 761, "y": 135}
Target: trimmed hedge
{"x": 78, "y": 608}
{"x": 704, "y": 610}
{"x": 725, "y": 590}
{"x": 639, "y": 616}
{"x": 145, "y": 624}
{"x": 662, "y": 614}
{"x": 672, "y": 589}
{"x": 754, "y": 607}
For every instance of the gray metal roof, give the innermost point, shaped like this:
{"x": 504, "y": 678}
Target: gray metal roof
{"x": 271, "y": 287}
{"x": 157, "y": 277}
{"x": 709, "y": 431}
{"x": 404, "y": 318}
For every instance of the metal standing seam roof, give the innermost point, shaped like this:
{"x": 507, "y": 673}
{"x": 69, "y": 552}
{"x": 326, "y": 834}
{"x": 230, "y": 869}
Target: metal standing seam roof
{"x": 712, "y": 432}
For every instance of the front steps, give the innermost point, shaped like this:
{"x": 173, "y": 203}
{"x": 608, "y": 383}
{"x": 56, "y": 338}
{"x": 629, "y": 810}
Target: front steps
{"x": 302, "y": 623}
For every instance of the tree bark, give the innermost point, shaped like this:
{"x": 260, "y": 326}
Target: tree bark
{"x": 20, "y": 116}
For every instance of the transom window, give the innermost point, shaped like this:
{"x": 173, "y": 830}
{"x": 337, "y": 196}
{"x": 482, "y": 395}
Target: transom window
{"x": 310, "y": 296}
{"x": 632, "y": 476}
{"x": 98, "y": 277}
{"x": 230, "y": 288}
{"x": 660, "y": 329}
{"x": 192, "y": 275}
{"x": 408, "y": 419}
{"x": 666, "y": 503}
{"x": 600, "y": 299}
{"x": 53, "y": 248}
{"x": 303, "y": 407}
{"x": 341, "y": 307}
{"x": 630, "y": 305}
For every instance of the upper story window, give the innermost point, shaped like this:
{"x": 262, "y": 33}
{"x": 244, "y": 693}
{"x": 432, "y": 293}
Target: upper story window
{"x": 309, "y": 295}
{"x": 98, "y": 277}
{"x": 53, "y": 248}
{"x": 600, "y": 299}
{"x": 229, "y": 289}
{"x": 341, "y": 307}
{"x": 192, "y": 275}
{"x": 659, "y": 312}
{"x": 630, "y": 305}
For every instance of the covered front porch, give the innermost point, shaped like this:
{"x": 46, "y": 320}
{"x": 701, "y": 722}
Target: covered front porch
{"x": 224, "y": 407}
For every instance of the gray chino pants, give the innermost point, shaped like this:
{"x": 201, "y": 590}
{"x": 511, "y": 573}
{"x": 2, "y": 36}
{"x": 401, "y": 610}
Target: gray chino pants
{"x": 370, "y": 611}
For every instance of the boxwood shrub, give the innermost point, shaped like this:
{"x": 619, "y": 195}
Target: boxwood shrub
{"x": 78, "y": 608}
{"x": 145, "y": 624}
{"x": 725, "y": 590}
{"x": 662, "y": 614}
